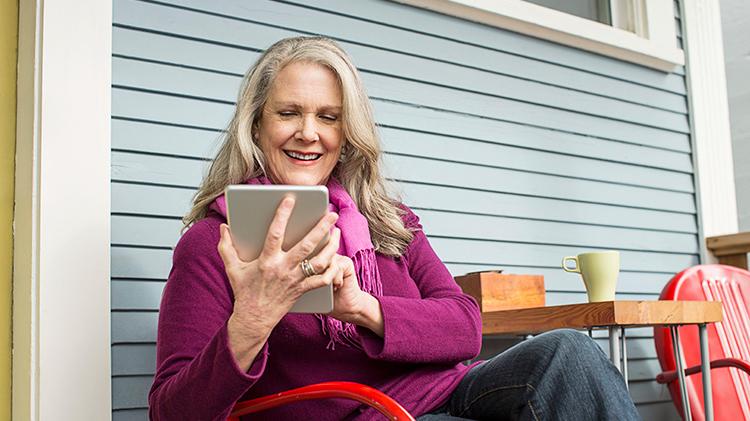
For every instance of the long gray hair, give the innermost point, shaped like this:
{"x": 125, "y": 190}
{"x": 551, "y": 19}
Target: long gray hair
{"x": 240, "y": 157}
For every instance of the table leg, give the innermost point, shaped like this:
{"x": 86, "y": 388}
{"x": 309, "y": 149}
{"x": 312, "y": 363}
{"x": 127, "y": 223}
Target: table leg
{"x": 614, "y": 346}
{"x": 591, "y": 333}
{"x": 677, "y": 349}
{"x": 706, "y": 373}
{"x": 624, "y": 357}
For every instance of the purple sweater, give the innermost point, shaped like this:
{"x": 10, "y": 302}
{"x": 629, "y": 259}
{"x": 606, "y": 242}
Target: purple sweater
{"x": 430, "y": 327}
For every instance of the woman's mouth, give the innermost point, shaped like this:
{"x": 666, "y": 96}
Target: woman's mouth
{"x": 303, "y": 156}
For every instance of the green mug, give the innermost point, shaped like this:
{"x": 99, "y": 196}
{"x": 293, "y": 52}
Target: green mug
{"x": 599, "y": 271}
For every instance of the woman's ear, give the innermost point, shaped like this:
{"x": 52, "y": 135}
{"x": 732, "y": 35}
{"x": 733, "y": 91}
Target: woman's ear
{"x": 255, "y": 129}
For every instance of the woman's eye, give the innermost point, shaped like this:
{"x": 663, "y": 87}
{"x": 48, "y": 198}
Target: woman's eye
{"x": 329, "y": 117}
{"x": 287, "y": 113}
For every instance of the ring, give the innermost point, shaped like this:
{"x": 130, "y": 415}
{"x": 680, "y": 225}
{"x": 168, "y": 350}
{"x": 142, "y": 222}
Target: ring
{"x": 307, "y": 268}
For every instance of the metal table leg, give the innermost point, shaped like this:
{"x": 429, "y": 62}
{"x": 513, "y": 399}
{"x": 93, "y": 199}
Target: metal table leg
{"x": 624, "y": 357}
{"x": 680, "y": 372}
{"x": 614, "y": 346}
{"x": 706, "y": 373}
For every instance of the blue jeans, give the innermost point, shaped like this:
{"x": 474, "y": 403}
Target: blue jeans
{"x": 559, "y": 375}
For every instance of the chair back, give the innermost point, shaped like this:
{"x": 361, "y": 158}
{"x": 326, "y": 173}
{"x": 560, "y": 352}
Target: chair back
{"x": 727, "y": 339}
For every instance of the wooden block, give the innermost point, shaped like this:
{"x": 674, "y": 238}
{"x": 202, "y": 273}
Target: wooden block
{"x": 723, "y": 245}
{"x": 736, "y": 260}
{"x": 497, "y": 291}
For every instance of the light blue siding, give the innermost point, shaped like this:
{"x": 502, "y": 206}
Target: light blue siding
{"x": 514, "y": 151}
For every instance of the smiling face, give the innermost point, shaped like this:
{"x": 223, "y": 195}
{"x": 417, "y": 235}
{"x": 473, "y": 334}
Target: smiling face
{"x": 300, "y": 130}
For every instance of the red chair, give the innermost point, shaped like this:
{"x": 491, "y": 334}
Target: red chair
{"x": 358, "y": 392}
{"x": 729, "y": 342}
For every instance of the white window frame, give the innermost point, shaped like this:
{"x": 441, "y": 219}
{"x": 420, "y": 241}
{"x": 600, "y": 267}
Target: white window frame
{"x": 654, "y": 44}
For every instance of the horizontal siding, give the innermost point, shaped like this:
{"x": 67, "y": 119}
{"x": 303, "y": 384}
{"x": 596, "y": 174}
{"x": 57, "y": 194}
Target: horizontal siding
{"x": 136, "y": 294}
{"x": 178, "y": 171}
{"x": 140, "y": 414}
{"x": 158, "y": 232}
{"x": 436, "y": 28}
{"x": 514, "y": 152}
{"x": 154, "y": 265}
{"x": 377, "y": 40}
{"x": 179, "y": 138}
{"x": 671, "y": 132}
{"x": 419, "y": 142}
{"x": 139, "y": 198}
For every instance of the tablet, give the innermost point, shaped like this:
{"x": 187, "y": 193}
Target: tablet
{"x": 250, "y": 210}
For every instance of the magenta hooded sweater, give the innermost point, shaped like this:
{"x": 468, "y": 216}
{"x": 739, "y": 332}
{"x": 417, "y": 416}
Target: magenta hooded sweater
{"x": 430, "y": 328}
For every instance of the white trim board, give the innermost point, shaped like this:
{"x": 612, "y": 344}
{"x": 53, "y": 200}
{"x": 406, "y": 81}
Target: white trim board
{"x": 709, "y": 121}
{"x": 61, "y": 298}
{"x": 658, "y": 51}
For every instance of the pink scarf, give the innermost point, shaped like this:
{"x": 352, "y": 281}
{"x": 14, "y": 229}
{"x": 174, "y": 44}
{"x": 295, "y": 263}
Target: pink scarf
{"x": 355, "y": 244}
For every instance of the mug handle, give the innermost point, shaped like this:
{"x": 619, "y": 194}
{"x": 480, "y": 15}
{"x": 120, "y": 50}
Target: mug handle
{"x": 567, "y": 269}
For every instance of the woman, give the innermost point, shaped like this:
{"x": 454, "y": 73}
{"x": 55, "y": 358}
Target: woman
{"x": 399, "y": 324}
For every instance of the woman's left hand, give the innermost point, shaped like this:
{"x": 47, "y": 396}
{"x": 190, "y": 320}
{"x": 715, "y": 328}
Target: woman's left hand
{"x": 350, "y": 303}
{"x": 348, "y": 298}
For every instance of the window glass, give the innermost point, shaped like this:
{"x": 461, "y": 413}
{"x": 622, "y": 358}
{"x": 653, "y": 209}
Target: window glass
{"x": 596, "y": 10}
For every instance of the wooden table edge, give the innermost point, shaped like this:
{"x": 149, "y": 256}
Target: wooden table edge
{"x": 603, "y": 314}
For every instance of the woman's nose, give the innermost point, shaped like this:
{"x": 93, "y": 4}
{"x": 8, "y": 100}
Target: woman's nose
{"x": 309, "y": 130}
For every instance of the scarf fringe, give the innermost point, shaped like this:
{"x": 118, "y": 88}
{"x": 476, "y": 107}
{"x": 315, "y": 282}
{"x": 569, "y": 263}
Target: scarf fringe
{"x": 338, "y": 332}
{"x": 369, "y": 282}
{"x": 367, "y": 272}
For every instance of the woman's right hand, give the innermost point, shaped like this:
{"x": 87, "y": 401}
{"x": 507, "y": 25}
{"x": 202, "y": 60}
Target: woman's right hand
{"x": 267, "y": 287}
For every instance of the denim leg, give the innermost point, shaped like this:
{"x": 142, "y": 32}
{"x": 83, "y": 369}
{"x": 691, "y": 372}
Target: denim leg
{"x": 440, "y": 417}
{"x": 559, "y": 375}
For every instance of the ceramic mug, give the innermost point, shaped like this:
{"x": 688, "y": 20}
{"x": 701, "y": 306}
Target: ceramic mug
{"x": 599, "y": 271}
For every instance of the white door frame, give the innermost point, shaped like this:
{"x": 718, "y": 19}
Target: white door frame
{"x": 61, "y": 299}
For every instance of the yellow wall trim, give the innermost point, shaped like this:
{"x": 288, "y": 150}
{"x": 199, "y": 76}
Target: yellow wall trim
{"x": 8, "y": 51}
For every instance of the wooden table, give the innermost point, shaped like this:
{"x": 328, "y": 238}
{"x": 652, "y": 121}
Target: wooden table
{"x": 524, "y": 321}
{"x": 616, "y": 316}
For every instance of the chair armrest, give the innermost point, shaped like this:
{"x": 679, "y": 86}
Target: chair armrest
{"x": 670, "y": 376}
{"x": 348, "y": 390}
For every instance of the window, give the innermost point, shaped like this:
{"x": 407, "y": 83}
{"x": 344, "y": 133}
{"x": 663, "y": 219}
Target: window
{"x": 638, "y": 31}
{"x": 628, "y": 15}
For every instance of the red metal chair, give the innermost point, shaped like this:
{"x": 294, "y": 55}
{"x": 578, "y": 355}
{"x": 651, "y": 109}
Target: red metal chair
{"x": 729, "y": 342}
{"x": 358, "y": 392}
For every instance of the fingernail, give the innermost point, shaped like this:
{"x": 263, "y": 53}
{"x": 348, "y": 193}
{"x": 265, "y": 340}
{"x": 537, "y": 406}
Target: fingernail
{"x": 287, "y": 202}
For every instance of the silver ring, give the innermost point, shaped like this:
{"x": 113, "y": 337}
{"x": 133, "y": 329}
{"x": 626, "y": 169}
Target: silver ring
{"x": 307, "y": 268}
